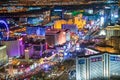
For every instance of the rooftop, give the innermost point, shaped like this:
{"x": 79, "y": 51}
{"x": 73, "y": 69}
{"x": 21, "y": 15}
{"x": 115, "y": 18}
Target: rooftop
{"x": 101, "y": 53}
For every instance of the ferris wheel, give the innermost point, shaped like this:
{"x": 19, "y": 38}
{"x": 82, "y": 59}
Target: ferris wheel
{"x": 4, "y": 30}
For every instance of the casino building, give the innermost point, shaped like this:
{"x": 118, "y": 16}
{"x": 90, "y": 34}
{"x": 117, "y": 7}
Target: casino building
{"x": 102, "y": 66}
{"x": 3, "y": 55}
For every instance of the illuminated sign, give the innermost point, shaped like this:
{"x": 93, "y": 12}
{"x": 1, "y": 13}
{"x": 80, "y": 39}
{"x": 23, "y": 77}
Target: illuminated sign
{"x": 114, "y": 58}
{"x": 58, "y": 10}
{"x": 81, "y": 61}
{"x": 7, "y": 28}
{"x": 95, "y": 59}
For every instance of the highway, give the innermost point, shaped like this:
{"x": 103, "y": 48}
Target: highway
{"x": 64, "y": 76}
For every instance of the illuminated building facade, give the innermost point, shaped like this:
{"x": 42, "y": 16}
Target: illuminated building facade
{"x": 61, "y": 37}
{"x": 14, "y": 48}
{"x": 58, "y": 24}
{"x": 71, "y": 27}
{"x": 98, "y": 67}
{"x": 51, "y": 37}
{"x": 36, "y": 50}
{"x": 112, "y": 31}
{"x": 79, "y": 22}
{"x": 27, "y": 54}
{"x": 55, "y": 37}
{"x": 36, "y": 30}
{"x": 67, "y": 35}
{"x": 89, "y": 51}
{"x": 3, "y": 55}
{"x": 115, "y": 42}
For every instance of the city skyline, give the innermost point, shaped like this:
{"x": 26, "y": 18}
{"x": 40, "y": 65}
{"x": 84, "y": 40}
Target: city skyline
{"x": 60, "y": 40}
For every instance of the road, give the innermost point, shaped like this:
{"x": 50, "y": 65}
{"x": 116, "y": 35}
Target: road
{"x": 64, "y": 76}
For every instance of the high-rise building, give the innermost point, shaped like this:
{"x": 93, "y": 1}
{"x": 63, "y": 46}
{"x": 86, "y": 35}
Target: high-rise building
{"x": 26, "y": 55}
{"x": 115, "y": 42}
{"x": 51, "y": 37}
{"x": 67, "y": 35}
{"x": 98, "y": 67}
{"x": 14, "y": 48}
{"x": 61, "y": 37}
{"x": 112, "y": 31}
{"x": 3, "y": 55}
{"x": 55, "y": 37}
{"x": 79, "y": 22}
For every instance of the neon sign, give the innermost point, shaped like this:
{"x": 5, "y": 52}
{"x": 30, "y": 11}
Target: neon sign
{"x": 96, "y": 59}
{"x": 114, "y": 58}
{"x": 6, "y": 25}
{"x": 81, "y": 61}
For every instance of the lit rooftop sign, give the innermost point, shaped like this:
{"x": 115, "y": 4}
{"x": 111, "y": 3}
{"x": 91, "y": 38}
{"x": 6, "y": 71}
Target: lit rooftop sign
{"x": 114, "y": 58}
{"x": 96, "y": 59}
{"x": 81, "y": 61}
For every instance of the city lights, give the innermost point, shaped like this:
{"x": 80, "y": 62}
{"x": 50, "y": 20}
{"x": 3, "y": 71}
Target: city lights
{"x": 7, "y": 29}
{"x": 65, "y": 54}
{"x": 57, "y": 9}
{"x": 102, "y": 32}
{"x": 59, "y": 40}
{"x": 102, "y": 21}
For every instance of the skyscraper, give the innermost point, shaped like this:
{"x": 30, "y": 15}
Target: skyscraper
{"x": 98, "y": 67}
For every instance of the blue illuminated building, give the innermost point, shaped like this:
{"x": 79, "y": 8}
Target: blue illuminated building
{"x": 36, "y": 30}
{"x": 34, "y": 20}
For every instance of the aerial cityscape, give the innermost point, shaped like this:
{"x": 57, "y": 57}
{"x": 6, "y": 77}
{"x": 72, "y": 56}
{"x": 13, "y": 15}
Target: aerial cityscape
{"x": 59, "y": 39}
